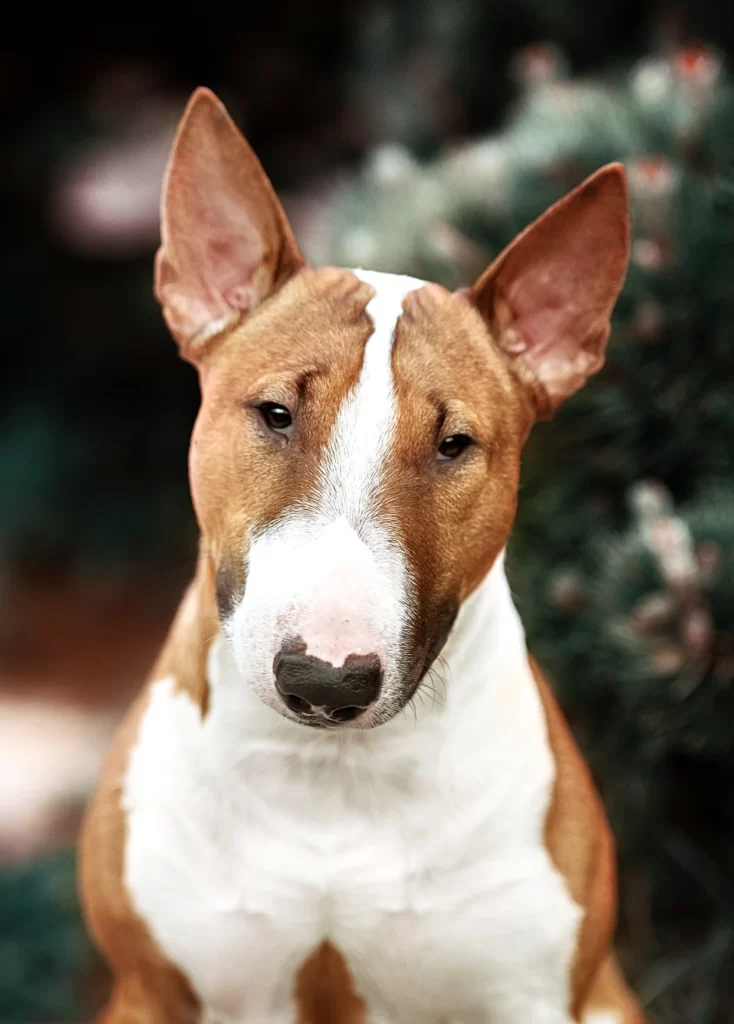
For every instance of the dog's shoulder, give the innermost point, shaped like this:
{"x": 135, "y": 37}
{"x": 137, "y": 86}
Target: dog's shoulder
{"x": 578, "y": 837}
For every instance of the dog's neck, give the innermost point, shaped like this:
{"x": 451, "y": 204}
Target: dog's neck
{"x": 488, "y": 636}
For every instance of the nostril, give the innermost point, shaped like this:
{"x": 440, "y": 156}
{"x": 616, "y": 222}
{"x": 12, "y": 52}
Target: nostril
{"x": 344, "y": 714}
{"x": 297, "y": 704}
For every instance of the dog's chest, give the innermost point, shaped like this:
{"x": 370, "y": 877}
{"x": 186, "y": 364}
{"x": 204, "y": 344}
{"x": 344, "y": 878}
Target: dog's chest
{"x": 416, "y": 850}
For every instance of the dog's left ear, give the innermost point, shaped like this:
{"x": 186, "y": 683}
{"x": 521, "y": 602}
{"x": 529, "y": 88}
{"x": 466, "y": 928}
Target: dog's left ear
{"x": 549, "y": 295}
{"x": 225, "y": 241}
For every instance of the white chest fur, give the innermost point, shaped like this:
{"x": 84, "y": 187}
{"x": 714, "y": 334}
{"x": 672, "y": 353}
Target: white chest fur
{"x": 416, "y": 848}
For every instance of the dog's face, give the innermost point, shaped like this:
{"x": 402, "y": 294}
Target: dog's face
{"x": 354, "y": 478}
{"x": 354, "y": 465}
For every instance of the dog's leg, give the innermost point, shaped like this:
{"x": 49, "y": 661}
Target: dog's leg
{"x": 146, "y": 988}
{"x": 610, "y": 999}
{"x": 150, "y": 998}
{"x": 324, "y": 991}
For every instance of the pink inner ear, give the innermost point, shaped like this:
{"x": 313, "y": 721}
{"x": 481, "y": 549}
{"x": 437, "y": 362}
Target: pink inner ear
{"x": 227, "y": 268}
{"x": 560, "y": 335}
{"x": 539, "y": 317}
{"x": 226, "y": 243}
{"x": 225, "y": 248}
{"x": 545, "y": 319}
{"x": 550, "y": 294}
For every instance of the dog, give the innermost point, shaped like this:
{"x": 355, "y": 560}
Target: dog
{"x": 347, "y": 794}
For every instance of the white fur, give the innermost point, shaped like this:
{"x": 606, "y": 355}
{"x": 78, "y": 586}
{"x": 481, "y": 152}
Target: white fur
{"x": 603, "y": 1017}
{"x": 416, "y": 848}
{"x": 365, "y": 428}
{"x": 330, "y": 571}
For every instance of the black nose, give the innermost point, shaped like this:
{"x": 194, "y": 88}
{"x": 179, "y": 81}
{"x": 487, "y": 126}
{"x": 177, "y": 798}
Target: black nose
{"x": 312, "y": 687}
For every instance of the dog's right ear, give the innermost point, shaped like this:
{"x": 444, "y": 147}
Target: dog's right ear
{"x": 225, "y": 241}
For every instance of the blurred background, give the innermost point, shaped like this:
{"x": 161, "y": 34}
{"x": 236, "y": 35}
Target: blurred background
{"x": 409, "y": 136}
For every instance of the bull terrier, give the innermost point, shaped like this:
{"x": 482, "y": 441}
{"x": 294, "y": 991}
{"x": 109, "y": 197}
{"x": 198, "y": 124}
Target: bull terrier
{"x": 347, "y": 794}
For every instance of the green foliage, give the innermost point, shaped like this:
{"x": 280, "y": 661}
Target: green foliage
{"x": 44, "y": 951}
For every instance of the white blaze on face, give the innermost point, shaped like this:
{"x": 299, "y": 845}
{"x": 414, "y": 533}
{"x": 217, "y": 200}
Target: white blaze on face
{"x": 329, "y": 572}
{"x": 365, "y": 428}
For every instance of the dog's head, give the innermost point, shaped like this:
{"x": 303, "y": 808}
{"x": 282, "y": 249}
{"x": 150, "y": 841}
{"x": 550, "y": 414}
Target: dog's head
{"x": 354, "y": 465}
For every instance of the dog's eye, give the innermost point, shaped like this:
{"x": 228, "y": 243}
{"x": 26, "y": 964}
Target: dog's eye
{"x": 276, "y": 417}
{"x": 452, "y": 447}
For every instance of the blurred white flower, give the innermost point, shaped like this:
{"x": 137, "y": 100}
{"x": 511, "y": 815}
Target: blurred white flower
{"x": 50, "y": 756}
{"x": 106, "y": 201}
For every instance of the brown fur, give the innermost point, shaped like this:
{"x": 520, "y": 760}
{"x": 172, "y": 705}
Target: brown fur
{"x": 480, "y": 493}
{"x": 581, "y": 846}
{"x": 324, "y": 991}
